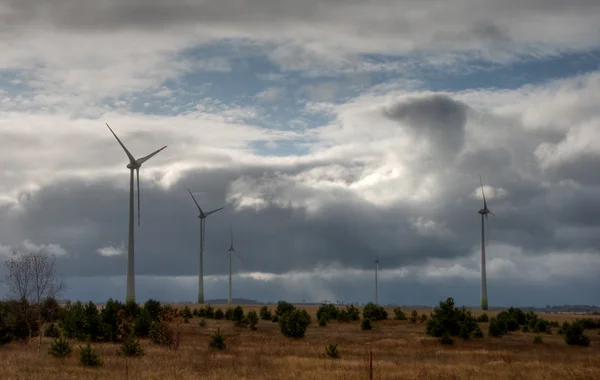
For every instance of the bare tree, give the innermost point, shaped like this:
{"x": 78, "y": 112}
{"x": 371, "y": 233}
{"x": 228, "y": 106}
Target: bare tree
{"x": 33, "y": 277}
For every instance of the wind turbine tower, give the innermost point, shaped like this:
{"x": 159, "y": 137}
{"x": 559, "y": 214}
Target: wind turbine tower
{"x": 133, "y": 165}
{"x": 231, "y": 252}
{"x": 376, "y": 270}
{"x": 484, "y": 213}
{"x": 202, "y": 217}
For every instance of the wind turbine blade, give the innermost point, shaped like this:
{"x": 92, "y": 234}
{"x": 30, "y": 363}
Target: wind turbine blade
{"x": 199, "y": 208}
{"x": 146, "y": 158}
{"x": 231, "y": 235}
{"x": 482, "y": 193}
{"x": 137, "y": 170}
{"x": 131, "y": 159}
{"x": 213, "y": 211}
{"x": 240, "y": 258}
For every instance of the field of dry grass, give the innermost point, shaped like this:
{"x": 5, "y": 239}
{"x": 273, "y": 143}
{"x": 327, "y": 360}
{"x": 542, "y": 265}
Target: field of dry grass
{"x": 400, "y": 351}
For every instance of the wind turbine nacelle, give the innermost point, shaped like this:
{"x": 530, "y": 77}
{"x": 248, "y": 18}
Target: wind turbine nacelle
{"x": 133, "y": 165}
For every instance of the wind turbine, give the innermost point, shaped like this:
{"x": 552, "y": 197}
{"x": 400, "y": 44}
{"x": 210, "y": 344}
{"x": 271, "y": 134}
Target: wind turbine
{"x": 202, "y": 217}
{"x": 229, "y": 255}
{"x": 231, "y": 251}
{"x": 133, "y": 165}
{"x": 376, "y": 270}
{"x": 484, "y": 213}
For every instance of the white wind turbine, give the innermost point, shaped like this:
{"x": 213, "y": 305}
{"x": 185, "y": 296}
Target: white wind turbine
{"x": 133, "y": 165}
{"x": 202, "y": 217}
{"x": 484, "y": 213}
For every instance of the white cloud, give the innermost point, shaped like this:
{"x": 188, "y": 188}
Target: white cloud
{"x": 270, "y": 94}
{"x": 110, "y": 250}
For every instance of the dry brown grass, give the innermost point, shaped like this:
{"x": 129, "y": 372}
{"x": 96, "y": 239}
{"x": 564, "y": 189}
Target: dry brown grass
{"x": 400, "y": 351}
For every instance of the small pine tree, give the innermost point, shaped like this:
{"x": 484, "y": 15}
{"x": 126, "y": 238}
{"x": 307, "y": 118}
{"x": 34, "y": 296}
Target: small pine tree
{"x": 265, "y": 313}
{"x": 414, "y": 316}
{"x": 52, "y": 331}
{"x": 217, "y": 341}
{"x": 60, "y": 347}
{"x": 252, "y": 318}
{"x": 366, "y": 324}
{"x": 399, "y": 314}
{"x": 332, "y": 351}
{"x": 89, "y": 357}
{"x": 219, "y": 314}
{"x": 202, "y": 323}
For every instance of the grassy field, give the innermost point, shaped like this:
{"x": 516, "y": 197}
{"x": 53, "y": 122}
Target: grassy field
{"x": 400, "y": 351}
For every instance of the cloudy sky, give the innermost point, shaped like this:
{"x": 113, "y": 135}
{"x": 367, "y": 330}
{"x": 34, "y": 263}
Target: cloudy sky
{"x": 332, "y": 132}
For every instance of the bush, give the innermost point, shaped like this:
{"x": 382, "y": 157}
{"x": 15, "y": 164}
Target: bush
{"x": 229, "y": 314}
{"x": 275, "y": 319}
{"x": 283, "y": 307}
{"x": 374, "y": 312}
{"x": 89, "y": 357}
{"x": 327, "y": 311}
{"x": 423, "y": 318}
{"x": 209, "y": 311}
{"x": 60, "y": 347}
{"x": 217, "y": 340}
{"x": 497, "y": 327}
{"x": 131, "y": 346}
{"x": 414, "y": 316}
{"x": 153, "y": 308}
{"x": 352, "y": 313}
{"x": 538, "y": 340}
{"x": 265, "y": 313}
{"x": 323, "y": 321}
{"x": 186, "y": 312}
{"x": 332, "y": 351}
{"x": 542, "y": 326}
{"x": 6, "y": 335}
{"x": 589, "y": 323}
{"x": 50, "y": 310}
{"x": 483, "y": 318}
{"x": 219, "y": 314}
{"x": 293, "y": 323}
{"x": 574, "y": 335}
{"x": 161, "y": 333}
{"x": 252, "y": 319}
{"x": 143, "y": 322}
{"x": 525, "y": 329}
{"x": 202, "y": 322}
{"x": 399, "y": 314}
{"x": 237, "y": 316}
{"x": 446, "y": 319}
{"x": 110, "y": 320}
{"x": 52, "y": 331}
{"x": 477, "y": 333}
{"x": 366, "y": 324}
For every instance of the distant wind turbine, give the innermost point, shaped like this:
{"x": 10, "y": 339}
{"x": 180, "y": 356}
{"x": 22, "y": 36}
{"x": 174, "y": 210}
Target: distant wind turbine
{"x": 133, "y": 165}
{"x": 376, "y": 270}
{"x": 202, "y": 217}
{"x": 231, "y": 251}
{"x": 484, "y": 213}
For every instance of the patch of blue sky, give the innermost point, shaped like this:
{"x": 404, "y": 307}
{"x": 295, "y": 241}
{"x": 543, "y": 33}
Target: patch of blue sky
{"x": 477, "y": 74}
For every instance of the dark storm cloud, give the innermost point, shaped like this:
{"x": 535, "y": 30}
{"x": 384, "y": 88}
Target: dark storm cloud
{"x": 438, "y": 118}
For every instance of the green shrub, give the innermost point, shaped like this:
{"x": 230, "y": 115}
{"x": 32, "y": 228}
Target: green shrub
{"x": 525, "y": 329}
{"x": 538, "y": 340}
{"x": 283, "y": 307}
{"x": 374, "y": 312}
{"x": 447, "y": 319}
{"x": 275, "y": 318}
{"x": 50, "y": 310}
{"x": 323, "y": 321}
{"x": 229, "y": 314}
{"x": 6, "y": 334}
{"x": 237, "y": 316}
{"x": 542, "y": 326}
{"x": 153, "y": 308}
{"x": 161, "y": 333}
{"x": 131, "y": 346}
{"x": 202, "y": 322}
{"x": 293, "y": 323}
{"x": 217, "y": 340}
{"x": 483, "y": 318}
{"x": 52, "y": 331}
{"x": 219, "y": 314}
{"x": 423, "y": 318}
{"x": 497, "y": 327}
{"x": 327, "y": 311}
{"x": 142, "y": 323}
{"x": 446, "y": 339}
{"x": 366, "y": 324}
{"x": 209, "y": 311}
{"x": 589, "y": 323}
{"x": 186, "y": 312}
{"x": 265, "y": 313}
{"x": 332, "y": 351}
{"x": 574, "y": 335}
{"x": 252, "y": 319}
{"x": 60, "y": 347}
{"x": 110, "y": 320}
{"x": 352, "y": 313}
{"x": 477, "y": 333}
{"x": 89, "y": 357}
{"x": 399, "y": 314}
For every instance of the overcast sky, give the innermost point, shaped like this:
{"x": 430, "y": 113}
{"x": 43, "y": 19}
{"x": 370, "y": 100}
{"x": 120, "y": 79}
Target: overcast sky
{"x": 332, "y": 131}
